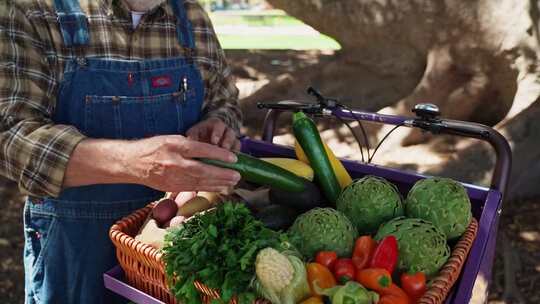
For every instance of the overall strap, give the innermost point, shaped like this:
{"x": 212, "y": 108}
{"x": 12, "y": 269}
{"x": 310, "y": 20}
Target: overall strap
{"x": 184, "y": 29}
{"x": 73, "y": 23}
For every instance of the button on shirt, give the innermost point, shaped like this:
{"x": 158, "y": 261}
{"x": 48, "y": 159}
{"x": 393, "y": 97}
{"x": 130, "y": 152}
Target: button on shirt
{"x": 35, "y": 151}
{"x": 136, "y": 18}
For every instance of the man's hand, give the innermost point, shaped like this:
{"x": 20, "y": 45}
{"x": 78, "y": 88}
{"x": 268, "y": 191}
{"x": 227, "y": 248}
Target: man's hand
{"x": 214, "y": 131}
{"x": 165, "y": 163}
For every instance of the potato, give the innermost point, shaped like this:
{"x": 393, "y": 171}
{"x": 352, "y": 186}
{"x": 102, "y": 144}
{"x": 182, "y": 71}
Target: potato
{"x": 164, "y": 210}
{"x": 213, "y": 197}
{"x": 183, "y": 197}
{"x": 194, "y": 205}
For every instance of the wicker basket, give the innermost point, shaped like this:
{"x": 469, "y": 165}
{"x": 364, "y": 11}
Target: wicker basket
{"x": 145, "y": 269}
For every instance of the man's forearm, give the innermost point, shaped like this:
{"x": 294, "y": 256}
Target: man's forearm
{"x": 98, "y": 161}
{"x": 165, "y": 163}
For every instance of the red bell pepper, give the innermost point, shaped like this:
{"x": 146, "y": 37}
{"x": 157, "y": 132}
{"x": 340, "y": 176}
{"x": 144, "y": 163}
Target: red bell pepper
{"x": 363, "y": 251}
{"x": 344, "y": 270}
{"x": 386, "y": 254}
{"x": 414, "y": 285}
{"x": 326, "y": 258}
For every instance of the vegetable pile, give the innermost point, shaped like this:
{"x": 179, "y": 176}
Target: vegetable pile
{"x": 321, "y": 237}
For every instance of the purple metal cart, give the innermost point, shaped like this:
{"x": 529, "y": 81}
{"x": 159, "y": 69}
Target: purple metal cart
{"x": 486, "y": 202}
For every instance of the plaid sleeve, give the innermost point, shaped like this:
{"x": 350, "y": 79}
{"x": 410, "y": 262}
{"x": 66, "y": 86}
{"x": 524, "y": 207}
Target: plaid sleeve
{"x": 221, "y": 98}
{"x": 34, "y": 151}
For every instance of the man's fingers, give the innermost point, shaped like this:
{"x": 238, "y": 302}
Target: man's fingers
{"x": 193, "y": 133}
{"x": 229, "y": 139}
{"x": 206, "y": 173}
{"x": 213, "y": 189}
{"x": 218, "y": 131}
{"x": 194, "y": 149}
{"x": 237, "y": 146}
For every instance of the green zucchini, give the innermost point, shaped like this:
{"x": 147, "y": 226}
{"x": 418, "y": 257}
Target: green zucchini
{"x": 308, "y": 137}
{"x": 262, "y": 173}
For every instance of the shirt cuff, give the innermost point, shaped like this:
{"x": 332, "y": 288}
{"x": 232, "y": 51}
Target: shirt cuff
{"x": 46, "y": 165}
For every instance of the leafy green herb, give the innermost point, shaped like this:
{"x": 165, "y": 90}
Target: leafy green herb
{"x": 217, "y": 248}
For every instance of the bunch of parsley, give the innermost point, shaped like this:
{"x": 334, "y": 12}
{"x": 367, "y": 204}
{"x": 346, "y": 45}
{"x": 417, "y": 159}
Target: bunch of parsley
{"x": 217, "y": 248}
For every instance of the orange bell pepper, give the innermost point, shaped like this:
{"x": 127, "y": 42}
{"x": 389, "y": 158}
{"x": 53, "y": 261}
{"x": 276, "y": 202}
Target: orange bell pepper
{"x": 376, "y": 279}
{"x": 319, "y": 277}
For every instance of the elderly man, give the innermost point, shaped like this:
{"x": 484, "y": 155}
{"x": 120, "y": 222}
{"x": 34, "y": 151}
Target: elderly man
{"x": 104, "y": 106}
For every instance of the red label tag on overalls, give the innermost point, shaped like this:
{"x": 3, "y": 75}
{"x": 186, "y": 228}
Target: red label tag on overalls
{"x": 162, "y": 81}
{"x": 131, "y": 79}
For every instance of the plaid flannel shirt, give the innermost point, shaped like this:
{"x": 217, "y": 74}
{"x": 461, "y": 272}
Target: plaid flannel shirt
{"x": 34, "y": 151}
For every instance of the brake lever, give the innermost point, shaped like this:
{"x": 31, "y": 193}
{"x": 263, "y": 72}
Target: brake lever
{"x": 322, "y": 107}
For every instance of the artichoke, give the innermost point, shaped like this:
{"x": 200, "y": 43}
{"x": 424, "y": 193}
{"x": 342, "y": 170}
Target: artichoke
{"x": 323, "y": 229}
{"x": 422, "y": 246}
{"x": 442, "y": 201}
{"x": 369, "y": 202}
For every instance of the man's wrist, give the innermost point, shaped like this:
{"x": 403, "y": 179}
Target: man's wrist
{"x": 101, "y": 161}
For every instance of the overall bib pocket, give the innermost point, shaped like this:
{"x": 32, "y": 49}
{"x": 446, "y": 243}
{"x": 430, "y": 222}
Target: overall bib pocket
{"x": 122, "y": 117}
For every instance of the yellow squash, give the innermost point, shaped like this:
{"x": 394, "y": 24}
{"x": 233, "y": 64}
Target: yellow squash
{"x": 342, "y": 175}
{"x": 292, "y": 165}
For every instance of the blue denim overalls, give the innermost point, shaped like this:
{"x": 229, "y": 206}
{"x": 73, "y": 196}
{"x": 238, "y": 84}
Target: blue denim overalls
{"x": 67, "y": 248}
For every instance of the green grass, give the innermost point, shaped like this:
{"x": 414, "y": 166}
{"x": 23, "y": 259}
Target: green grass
{"x": 278, "y": 42}
{"x": 255, "y": 20}
{"x": 275, "y": 19}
